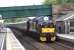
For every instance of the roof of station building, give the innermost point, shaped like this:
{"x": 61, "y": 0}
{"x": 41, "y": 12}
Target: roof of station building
{"x": 66, "y": 17}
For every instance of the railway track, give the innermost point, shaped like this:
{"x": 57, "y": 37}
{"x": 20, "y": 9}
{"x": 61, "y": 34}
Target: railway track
{"x": 32, "y": 44}
{"x": 22, "y": 40}
{"x": 60, "y": 46}
{"x": 68, "y": 43}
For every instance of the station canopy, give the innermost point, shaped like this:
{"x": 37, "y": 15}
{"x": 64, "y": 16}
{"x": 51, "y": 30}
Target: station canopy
{"x": 66, "y": 17}
{"x": 26, "y": 11}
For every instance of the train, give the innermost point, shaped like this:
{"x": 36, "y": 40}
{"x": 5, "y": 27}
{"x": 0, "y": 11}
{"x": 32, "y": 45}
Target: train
{"x": 40, "y": 28}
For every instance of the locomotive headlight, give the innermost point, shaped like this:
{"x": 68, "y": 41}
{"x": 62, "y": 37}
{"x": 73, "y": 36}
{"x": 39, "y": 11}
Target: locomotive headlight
{"x": 43, "y": 38}
{"x": 46, "y": 18}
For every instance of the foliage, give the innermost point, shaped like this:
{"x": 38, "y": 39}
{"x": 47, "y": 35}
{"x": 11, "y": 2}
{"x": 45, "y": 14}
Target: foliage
{"x": 58, "y": 2}
{"x": 49, "y": 2}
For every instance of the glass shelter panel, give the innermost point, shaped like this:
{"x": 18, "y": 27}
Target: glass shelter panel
{"x": 60, "y": 27}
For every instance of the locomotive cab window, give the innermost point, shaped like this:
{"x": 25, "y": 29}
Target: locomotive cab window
{"x": 33, "y": 25}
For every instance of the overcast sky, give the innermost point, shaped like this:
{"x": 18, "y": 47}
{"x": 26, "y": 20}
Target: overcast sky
{"x": 6, "y": 3}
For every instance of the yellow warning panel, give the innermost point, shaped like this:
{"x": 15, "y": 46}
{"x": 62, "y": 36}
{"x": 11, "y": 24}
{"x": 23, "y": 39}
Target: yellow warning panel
{"x": 48, "y": 30}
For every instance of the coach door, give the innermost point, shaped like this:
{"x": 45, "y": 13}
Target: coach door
{"x": 71, "y": 26}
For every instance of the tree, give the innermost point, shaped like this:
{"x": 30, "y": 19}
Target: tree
{"x": 47, "y": 2}
{"x": 58, "y": 2}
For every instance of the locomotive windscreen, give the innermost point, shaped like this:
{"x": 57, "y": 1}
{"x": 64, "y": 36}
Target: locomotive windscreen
{"x": 44, "y": 20}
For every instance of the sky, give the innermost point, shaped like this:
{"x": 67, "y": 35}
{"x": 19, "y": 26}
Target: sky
{"x": 8, "y": 3}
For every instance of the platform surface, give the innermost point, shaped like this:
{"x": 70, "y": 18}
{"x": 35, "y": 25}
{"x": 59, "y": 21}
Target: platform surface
{"x": 2, "y": 39}
{"x": 68, "y": 37}
{"x": 12, "y": 43}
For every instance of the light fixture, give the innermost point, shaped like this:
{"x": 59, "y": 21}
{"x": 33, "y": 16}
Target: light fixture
{"x": 46, "y": 18}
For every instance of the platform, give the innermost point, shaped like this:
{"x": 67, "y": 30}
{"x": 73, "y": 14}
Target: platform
{"x": 2, "y": 40}
{"x": 67, "y": 37}
{"x": 12, "y": 43}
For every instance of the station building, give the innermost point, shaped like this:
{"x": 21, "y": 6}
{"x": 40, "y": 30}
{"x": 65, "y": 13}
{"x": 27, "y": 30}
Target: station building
{"x": 65, "y": 24}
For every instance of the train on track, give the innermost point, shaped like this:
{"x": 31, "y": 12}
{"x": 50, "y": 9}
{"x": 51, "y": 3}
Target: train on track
{"x": 40, "y": 28}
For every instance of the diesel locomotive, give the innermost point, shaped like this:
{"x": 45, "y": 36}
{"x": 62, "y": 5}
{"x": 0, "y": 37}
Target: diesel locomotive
{"x": 42, "y": 28}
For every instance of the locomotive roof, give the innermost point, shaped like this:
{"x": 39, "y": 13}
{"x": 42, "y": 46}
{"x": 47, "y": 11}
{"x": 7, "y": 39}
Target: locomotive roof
{"x": 41, "y": 17}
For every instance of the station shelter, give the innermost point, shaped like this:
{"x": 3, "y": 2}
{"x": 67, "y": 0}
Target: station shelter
{"x": 65, "y": 24}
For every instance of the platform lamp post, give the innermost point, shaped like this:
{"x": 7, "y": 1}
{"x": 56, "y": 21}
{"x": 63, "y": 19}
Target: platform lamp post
{"x": 0, "y": 17}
